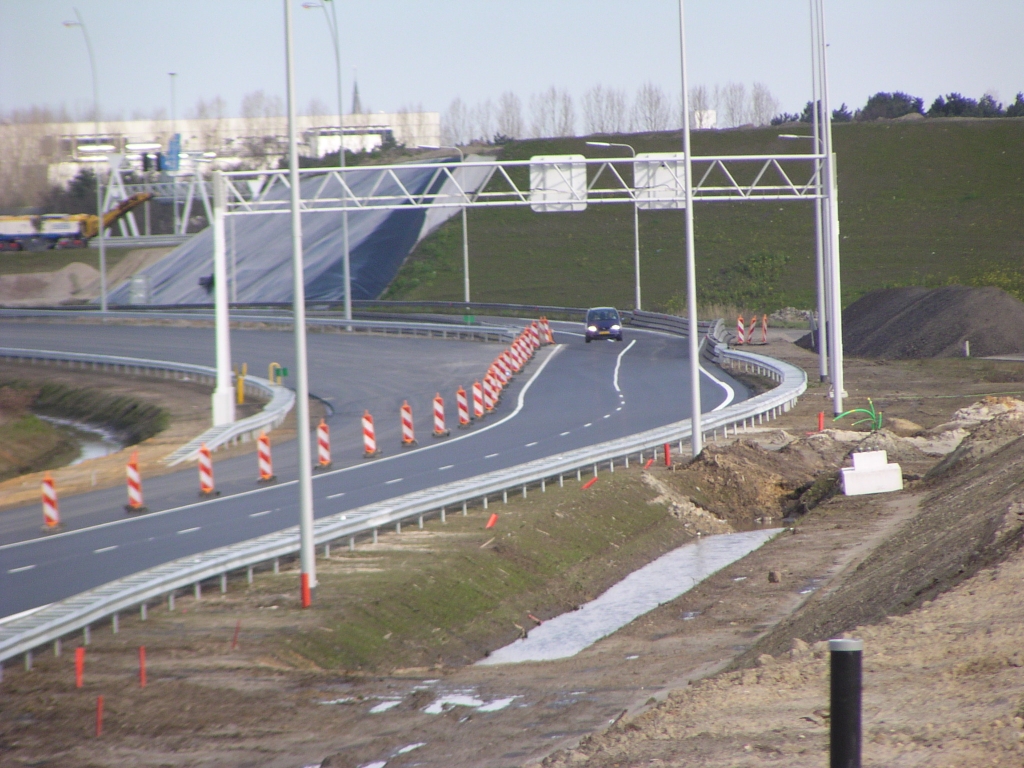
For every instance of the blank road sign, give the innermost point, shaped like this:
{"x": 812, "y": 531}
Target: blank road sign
{"x": 558, "y": 183}
{"x": 658, "y": 179}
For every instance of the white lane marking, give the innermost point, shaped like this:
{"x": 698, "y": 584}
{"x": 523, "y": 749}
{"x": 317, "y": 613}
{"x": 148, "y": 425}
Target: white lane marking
{"x": 589, "y": 424}
{"x": 446, "y": 466}
{"x": 190, "y": 530}
{"x": 606, "y": 416}
{"x": 530, "y": 445}
{"x": 392, "y": 482}
{"x": 619, "y": 408}
{"x": 618, "y": 362}
{"x": 264, "y": 512}
{"x": 729, "y": 393}
{"x": 127, "y": 521}
{"x": 22, "y": 568}
{"x": 562, "y": 434}
{"x": 336, "y": 495}
{"x": 490, "y": 455}
{"x": 104, "y": 549}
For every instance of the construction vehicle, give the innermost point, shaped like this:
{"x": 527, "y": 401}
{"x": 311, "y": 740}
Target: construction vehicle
{"x": 60, "y": 230}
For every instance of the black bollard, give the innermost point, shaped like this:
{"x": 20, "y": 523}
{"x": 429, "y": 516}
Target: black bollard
{"x": 845, "y": 737}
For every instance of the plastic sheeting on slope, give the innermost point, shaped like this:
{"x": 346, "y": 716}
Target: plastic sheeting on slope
{"x": 379, "y": 242}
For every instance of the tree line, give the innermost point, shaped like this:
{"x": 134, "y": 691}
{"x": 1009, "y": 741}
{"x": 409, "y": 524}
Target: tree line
{"x": 890, "y": 106}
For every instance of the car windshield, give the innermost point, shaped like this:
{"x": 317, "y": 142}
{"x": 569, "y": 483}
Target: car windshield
{"x": 598, "y": 315}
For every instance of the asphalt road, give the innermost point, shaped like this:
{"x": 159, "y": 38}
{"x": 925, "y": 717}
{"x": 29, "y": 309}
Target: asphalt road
{"x": 585, "y": 394}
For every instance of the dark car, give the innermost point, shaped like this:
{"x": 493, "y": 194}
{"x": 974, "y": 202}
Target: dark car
{"x": 603, "y": 323}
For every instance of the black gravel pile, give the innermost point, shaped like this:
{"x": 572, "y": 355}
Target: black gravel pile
{"x": 906, "y": 323}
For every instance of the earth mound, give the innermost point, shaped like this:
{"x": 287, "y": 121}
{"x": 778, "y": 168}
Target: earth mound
{"x": 910, "y": 323}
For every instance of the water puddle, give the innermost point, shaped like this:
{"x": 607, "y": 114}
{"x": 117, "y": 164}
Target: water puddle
{"x": 93, "y": 441}
{"x": 668, "y": 577}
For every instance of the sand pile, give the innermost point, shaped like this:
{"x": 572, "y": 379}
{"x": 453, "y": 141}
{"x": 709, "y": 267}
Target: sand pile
{"x": 907, "y": 323}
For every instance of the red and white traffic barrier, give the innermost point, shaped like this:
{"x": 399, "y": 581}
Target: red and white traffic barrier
{"x": 408, "y": 435}
{"x": 506, "y": 365}
{"x": 764, "y": 328}
{"x": 740, "y": 333}
{"x": 501, "y": 370}
{"x": 463, "y": 404}
{"x": 264, "y": 459}
{"x": 478, "y": 400}
{"x": 535, "y": 334}
{"x": 545, "y": 326}
{"x": 496, "y": 383}
{"x": 134, "y": 486}
{"x": 323, "y": 444}
{"x": 488, "y": 395}
{"x": 206, "y": 486}
{"x": 750, "y": 330}
{"x": 439, "y": 428}
{"x": 370, "y": 448}
{"x": 513, "y": 359}
{"x": 51, "y": 515}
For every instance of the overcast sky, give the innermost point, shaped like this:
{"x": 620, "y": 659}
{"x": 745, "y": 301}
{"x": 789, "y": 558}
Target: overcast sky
{"x": 426, "y": 52}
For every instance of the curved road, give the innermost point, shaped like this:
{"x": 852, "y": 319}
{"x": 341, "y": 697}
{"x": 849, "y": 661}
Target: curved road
{"x": 577, "y": 395}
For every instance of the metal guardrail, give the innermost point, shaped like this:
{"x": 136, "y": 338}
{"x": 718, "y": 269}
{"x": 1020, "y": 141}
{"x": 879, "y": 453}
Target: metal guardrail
{"x": 142, "y": 241}
{"x": 383, "y": 327}
{"x": 22, "y": 635}
{"x": 280, "y": 399}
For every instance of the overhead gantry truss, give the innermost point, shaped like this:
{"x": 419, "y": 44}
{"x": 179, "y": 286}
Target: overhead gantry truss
{"x": 567, "y": 183}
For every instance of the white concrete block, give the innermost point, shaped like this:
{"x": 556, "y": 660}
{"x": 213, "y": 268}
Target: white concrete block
{"x": 869, "y": 460}
{"x": 880, "y": 477}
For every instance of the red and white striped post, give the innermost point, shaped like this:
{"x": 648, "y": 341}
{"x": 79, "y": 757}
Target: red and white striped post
{"x": 750, "y": 330}
{"x": 478, "y": 400}
{"x": 463, "y": 404}
{"x": 370, "y": 448}
{"x": 323, "y": 444}
{"x": 51, "y": 515}
{"x": 135, "y": 503}
{"x": 488, "y": 395}
{"x": 535, "y": 334}
{"x": 545, "y": 326}
{"x": 506, "y": 365}
{"x": 206, "y": 485}
{"x": 499, "y": 371}
{"x": 764, "y": 328}
{"x": 264, "y": 459}
{"x": 439, "y": 428}
{"x": 408, "y": 435}
{"x": 740, "y": 335}
{"x": 516, "y": 360}
{"x": 497, "y": 385}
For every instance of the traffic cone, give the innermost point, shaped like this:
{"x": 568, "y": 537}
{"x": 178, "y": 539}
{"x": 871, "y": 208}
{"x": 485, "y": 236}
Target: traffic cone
{"x": 439, "y": 428}
{"x": 323, "y": 444}
{"x": 206, "y": 485}
{"x": 478, "y": 400}
{"x": 408, "y": 436}
{"x": 266, "y": 463}
{"x": 463, "y": 404}
{"x": 370, "y": 448}
{"x": 134, "y": 505}
{"x": 51, "y": 515}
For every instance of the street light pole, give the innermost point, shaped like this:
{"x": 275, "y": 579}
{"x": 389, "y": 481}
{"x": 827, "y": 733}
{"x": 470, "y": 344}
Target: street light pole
{"x": 332, "y": 26}
{"x": 307, "y": 554}
{"x": 636, "y": 220}
{"x": 176, "y": 160}
{"x": 99, "y": 186}
{"x": 465, "y": 229}
{"x": 696, "y": 437}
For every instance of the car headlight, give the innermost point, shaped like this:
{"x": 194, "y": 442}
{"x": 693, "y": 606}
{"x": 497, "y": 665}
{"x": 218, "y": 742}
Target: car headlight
{"x": 616, "y": 327}
{"x": 592, "y": 328}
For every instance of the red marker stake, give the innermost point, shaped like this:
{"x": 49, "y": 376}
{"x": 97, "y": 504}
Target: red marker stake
{"x": 821, "y": 421}
{"x": 589, "y": 483}
{"x": 306, "y": 599}
{"x": 493, "y": 521}
{"x": 234, "y": 640}
{"x": 668, "y": 455}
{"x": 79, "y": 666}
{"x": 99, "y": 716}
{"x": 648, "y": 464}
{"x": 142, "y": 666}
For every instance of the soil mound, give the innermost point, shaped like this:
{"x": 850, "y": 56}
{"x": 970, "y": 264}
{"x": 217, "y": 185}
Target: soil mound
{"x": 908, "y": 323}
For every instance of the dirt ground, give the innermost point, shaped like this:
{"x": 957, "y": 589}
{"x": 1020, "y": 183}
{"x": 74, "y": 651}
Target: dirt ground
{"x": 730, "y": 673}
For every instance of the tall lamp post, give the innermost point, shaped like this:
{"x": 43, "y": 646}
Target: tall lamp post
{"x": 696, "y": 437}
{"x": 80, "y": 23}
{"x": 465, "y": 227}
{"x": 636, "y": 220}
{"x": 175, "y": 160}
{"x": 332, "y": 26}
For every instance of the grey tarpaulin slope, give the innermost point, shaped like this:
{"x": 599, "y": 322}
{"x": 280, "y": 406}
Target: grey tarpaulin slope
{"x": 379, "y": 242}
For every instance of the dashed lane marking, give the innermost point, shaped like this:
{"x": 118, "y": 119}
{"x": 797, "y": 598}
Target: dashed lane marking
{"x": 255, "y": 514}
{"x": 104, "y": 549}
{"x": 190, "y": 530}
{"x": 392, "y": 482}
{"x": 530, "y": 445}
{"x": 22, "y": 568}
{"x": 563, "y": 434}
{"x": 490, "y": 455}
{"x": 446, "y": 466}
{"x": 336, "y": 495}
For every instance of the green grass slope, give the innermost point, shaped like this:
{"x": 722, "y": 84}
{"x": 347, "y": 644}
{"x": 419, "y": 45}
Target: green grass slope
{"x": 922, "y": 202}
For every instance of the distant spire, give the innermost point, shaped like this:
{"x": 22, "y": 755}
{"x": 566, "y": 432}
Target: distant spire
{"x": 357, "y": 105}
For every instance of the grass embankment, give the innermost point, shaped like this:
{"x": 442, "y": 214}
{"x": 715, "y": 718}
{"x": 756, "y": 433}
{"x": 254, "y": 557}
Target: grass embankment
{"x": 22, "y": 262}
{"x": 921, "y": 202}
{"x": 29, "y": 444}
{"x": 453, "y": 592}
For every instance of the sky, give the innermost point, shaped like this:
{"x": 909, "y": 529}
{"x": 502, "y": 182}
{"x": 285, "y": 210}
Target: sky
{"x": 427, "y": 52}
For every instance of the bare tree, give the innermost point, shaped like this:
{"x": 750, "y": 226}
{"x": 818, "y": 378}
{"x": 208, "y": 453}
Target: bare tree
{"x": 543, "y": 109}
{"x": 565, "y": 117}
{"x": 734, "y": 104}
{"x": 259, "y": 111}
{"x": 483, "y": 121}
{"x": 604, "y": 110}
{"x": 509, "y": 117}
{"x": 455, "y": 124}
{"x": 651, "y": 109}
{"x": 763, "y": 105}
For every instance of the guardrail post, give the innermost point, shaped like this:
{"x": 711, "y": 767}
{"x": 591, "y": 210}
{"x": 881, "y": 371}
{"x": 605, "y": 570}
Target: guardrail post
{"x": 351, "y": 543}
{"x": 85, "y": 635}
{"x": 170, "y": 600}
{"x": 223, "y": 583}
{"x": 248, "y": 575}
{"x": 611, "y": 466}
{"x": 419, "y": 522}
{"x": 398, "y": 527}
{"x": 524, "y": 490}
{"x": 504, "y": 498}
{"x": 142, "y": 611}
{"x": 443, "y": 515}
{"x": 197, "y": 590}
{"x": 56, "y": 647}
{"x": 374, "y": 535}
{"x": 464, "y": 510}
{"x": 114, "y": 624}
{"x": 277, "y": 566}
{"x": 28, "y": 661}
{"x": 485, "y": 502}
{"x": 543, "y": 489}
{"x": 561, "y": 482}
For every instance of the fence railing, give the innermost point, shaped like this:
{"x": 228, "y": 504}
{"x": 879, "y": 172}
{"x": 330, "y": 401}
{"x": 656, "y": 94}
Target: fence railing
{"x": 25, "y": 633}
